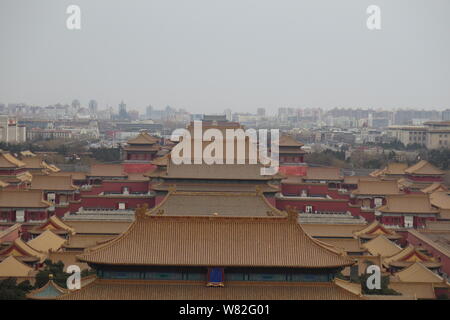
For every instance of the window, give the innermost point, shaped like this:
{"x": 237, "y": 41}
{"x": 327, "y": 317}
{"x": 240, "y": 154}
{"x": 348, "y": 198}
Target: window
{"x": 378, "y": 202}
{"x": 122, "y": 206}
{"x": 20, "y": 215}
{"x": 215, "y": 276}
{"x": 51, "y": 197}
{"x": 121, "y": 275}
{"x": 409, "y": 221}
{"x": 309, "y": 209}
{"x": 164, "y": 275}
{"x": 267, "y": 277}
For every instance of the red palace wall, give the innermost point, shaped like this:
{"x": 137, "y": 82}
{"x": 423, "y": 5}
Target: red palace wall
{"x": 369, "y": 216}
{"x": 133, "y": 186}
{"x": 445, "y": 260}
{"x": 10, "y": 236}
{"x": 10, "y": 215}
{"x": 290, "y": 159}
{"x": 326, "y": 205}
{"x": 61, "y": 211}
{"x": 117, "y": 187}
{"x": 425, "y": 178}
{"x": 296, "y": 189}
{"x": 312, "y": 189}
{"x": 113, "y": 202}
{"x": 138, "y": 156}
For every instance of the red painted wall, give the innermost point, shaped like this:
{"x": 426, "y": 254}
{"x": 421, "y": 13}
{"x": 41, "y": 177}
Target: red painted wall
{"x": 326, "y": 205}
{"x": 445, "y": 260}
{"x": 10, "y": 236}
{"x": 113, "y": 202}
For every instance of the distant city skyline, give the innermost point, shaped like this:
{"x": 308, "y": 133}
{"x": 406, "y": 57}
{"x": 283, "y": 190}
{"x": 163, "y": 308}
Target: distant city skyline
{"x": 206, "y": 56}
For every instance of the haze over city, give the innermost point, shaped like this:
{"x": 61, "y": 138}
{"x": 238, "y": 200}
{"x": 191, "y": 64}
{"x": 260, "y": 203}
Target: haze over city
{"x": 206, "y": 56}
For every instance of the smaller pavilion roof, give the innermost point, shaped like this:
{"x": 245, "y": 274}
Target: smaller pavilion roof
{"x": 382, "y": 246}
{"x": 47, "y": 241}
{"x": 11, "y": 267}
{"x": 423, "y": 167}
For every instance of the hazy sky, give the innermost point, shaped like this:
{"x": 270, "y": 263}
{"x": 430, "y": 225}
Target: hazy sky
{"x": 208, "y": 55}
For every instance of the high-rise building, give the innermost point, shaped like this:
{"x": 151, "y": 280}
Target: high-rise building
{"x": 93, "y": 107}
{"x": 228, "y": 114}
{"x": 11, "y": 131}
{"x": 123, "y": 115}
{"x": 148, "y": 112}
{"x": 446, "y": 115}
{"x": 76, "y": 105}
{"x": 261, "y": 112}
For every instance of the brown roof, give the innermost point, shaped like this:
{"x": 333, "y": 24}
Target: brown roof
{"x": 418, "y": 290}
{"x": 76, "y": 175}
{"x": 53, "y": 183}
{"x": 142, "y": 148}
{"x": 179, "y": 203}
{"x": 22, "y": 199}
{"x": 423, "y": 167}
{"x": 440, "y": 199}
{"x": 332, "y": 230}
{"x": 346, "y": 245}
{"x": 396, "y": 168}
{"x": 143, "y": 138}
{"x": 23, "y": 251}
{"x": 102, "y": 289}
{"x": 86, "y": 241}
{"x": 161, "y": 161}
{"x": 216, "y": 187}
{"x": 216, "y": 241}
{"x": 409, "y": 256}
{"x": 18, "y": 178}
{"x": 355, "y": 179}
{"x": 408, "y": 203}
{"x": 36, "y": 163}
{"x": 3, "y": 184}
{"x": 375, "y": 229}
{"x": 437, "y": 226}
{"x": 7, "y": 160}
{"x": 382, "y": 246}
{"x": 106, "y": 170}
{"x": 323, "y": 173}
{"x": 437, "y": 186}
{"x": 8, "y": 230}
{"x": 213, "y": 171}
{"x": 54, "y": 224}
{"x": 99, "y": 227}
{"x": 417, "y": 272}
{"x": 11, "y": 267}
{"x": 289, "y": 141}
{"x": 439, "y": 240}
{"x": 27, "y": 153}
{"x": 377, "y": 172}
{"x": 46, "y": 241}
{"x": 377, "y": 188}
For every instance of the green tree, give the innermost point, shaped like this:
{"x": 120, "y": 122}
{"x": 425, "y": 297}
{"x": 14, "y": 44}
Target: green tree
{"x": 51, "y": 268}
{"x": 106, "y": 154}
{"x": 385, "y": 290}
{"x": 10, "y": 290}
